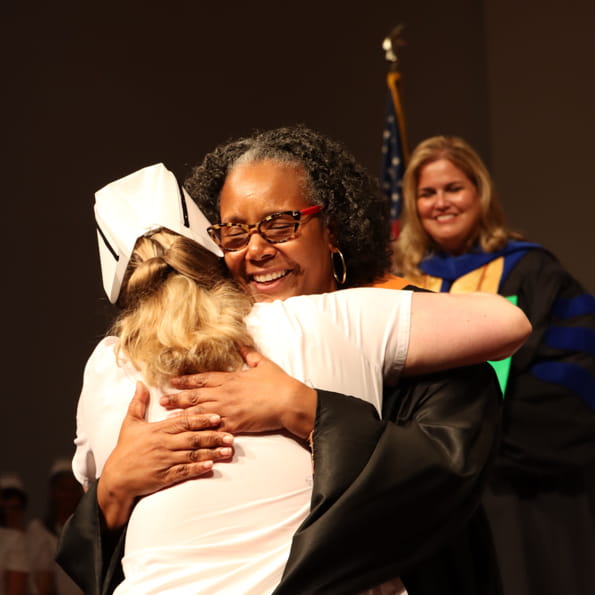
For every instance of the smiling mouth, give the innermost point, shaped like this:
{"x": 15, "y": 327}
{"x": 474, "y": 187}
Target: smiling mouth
{"x": 445, "y": 217}
{"x": 269, "y": 277}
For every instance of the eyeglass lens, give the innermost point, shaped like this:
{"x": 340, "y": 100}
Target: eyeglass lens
{"x": 277, "y": 228}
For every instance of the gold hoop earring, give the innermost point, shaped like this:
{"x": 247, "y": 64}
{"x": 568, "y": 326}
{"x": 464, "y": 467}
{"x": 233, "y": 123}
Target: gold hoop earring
{"x": 339, "y": 278}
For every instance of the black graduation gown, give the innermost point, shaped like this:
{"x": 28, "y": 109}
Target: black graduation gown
{"x": 393, "y": 497}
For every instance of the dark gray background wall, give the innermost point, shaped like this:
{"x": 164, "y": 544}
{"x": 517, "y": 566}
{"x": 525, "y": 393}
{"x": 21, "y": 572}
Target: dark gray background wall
{"x": 94, "y": 93}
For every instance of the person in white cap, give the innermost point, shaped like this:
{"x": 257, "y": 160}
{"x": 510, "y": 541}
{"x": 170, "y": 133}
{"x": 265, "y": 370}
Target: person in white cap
{"x": 13, "y": 501}
{"x": 14, "y": 559}
{"x": 183, "y": 314}
{"x": 64, "y": 492}
{"x": 14, "y": 562}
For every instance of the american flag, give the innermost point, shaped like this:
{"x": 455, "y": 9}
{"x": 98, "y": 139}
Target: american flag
{"x": 394, "y": 150}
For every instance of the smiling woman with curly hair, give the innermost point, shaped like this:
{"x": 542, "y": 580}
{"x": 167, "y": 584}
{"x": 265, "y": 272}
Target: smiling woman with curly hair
{"x": 353, "y": 205}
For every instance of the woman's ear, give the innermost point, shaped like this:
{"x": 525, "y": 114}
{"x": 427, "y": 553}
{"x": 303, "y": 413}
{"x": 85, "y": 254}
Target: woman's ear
{"x": 332, "y": 238}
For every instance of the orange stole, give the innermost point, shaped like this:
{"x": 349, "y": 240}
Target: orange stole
{"x": 391, "y": 281}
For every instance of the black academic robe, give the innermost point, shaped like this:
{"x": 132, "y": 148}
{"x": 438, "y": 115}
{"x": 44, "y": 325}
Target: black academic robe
{"x": 540, "y": 497}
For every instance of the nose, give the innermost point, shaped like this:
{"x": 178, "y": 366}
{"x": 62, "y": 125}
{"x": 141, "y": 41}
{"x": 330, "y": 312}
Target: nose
{"x": 258, "y": 248}
{"x": 441, "y": 201}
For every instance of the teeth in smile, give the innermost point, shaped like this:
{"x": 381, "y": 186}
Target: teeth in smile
{"x": 269, "y": 276}
{"x": 445, "y": 217}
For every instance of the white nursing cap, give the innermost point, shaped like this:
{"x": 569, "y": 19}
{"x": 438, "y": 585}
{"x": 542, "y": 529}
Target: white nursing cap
{"x": 60, "y": 465}
{"x": 11, "y": 480}
{"x": 135, "y": 205}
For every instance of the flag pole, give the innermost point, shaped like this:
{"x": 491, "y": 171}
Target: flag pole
{"x": 395, "y": 150}
{"x": 390, "y": 45}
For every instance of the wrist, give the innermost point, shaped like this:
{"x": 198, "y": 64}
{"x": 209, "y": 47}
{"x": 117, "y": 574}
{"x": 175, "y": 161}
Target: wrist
{"x": 299, "y": 414}
{"x": 114, "y": 503}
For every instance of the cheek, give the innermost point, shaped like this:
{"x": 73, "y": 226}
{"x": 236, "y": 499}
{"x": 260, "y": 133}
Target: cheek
{"x": 423, "y": 213}
{"x": 473, "y": 208}
{"x": 307, "y": 257}
{"x": 315, "y": 266}
{"x": 426, "y": 225}
{"x": 322, "y": 270}
{"x": 423, "y": 208}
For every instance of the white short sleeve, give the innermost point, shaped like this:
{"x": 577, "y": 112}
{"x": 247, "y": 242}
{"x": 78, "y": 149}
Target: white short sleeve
{"x": 103, "y": 403}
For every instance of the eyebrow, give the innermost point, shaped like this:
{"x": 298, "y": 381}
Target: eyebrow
{"x": 238, "y": 219}
{"x": 457, "y": 181}
{"x": 233, "y": 219}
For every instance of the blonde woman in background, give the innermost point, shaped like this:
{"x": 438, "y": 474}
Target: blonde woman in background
{"x": 541, "y": 492}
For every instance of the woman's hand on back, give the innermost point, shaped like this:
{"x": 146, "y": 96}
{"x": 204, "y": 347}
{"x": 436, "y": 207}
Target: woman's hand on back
{"x": 261, "y": 398}
{"x": 152, "y": 456}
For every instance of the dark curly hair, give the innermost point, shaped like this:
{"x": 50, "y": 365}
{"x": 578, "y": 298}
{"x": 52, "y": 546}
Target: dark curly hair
{"x": 354, "y": 207}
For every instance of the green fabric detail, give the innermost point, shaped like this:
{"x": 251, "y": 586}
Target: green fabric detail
{"x": 502, "y": 367}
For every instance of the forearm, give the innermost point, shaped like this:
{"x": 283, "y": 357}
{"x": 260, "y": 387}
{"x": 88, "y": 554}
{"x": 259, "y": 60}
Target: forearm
{"x": 454, "y": 330}
{"x": 115, "y": 505}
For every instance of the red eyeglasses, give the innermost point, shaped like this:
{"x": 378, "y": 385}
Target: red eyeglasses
{"x": 275, "y": 228}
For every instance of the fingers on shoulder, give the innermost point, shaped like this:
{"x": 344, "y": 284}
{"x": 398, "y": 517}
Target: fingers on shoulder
{"x": 140, "y": 400}
{"x": 181, "y": 400}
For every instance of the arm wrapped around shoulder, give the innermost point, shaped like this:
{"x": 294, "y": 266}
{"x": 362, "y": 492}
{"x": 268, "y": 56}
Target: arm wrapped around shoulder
{"x": 412, "y": 480}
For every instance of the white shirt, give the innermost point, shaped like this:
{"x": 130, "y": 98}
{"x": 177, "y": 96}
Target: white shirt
{"x": 42, "y": 544}
{"x": 231, "y": 533}
{"x": 13, "y": 553}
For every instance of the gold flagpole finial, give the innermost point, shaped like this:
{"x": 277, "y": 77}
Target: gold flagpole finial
{"x": 390, "y": 44}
